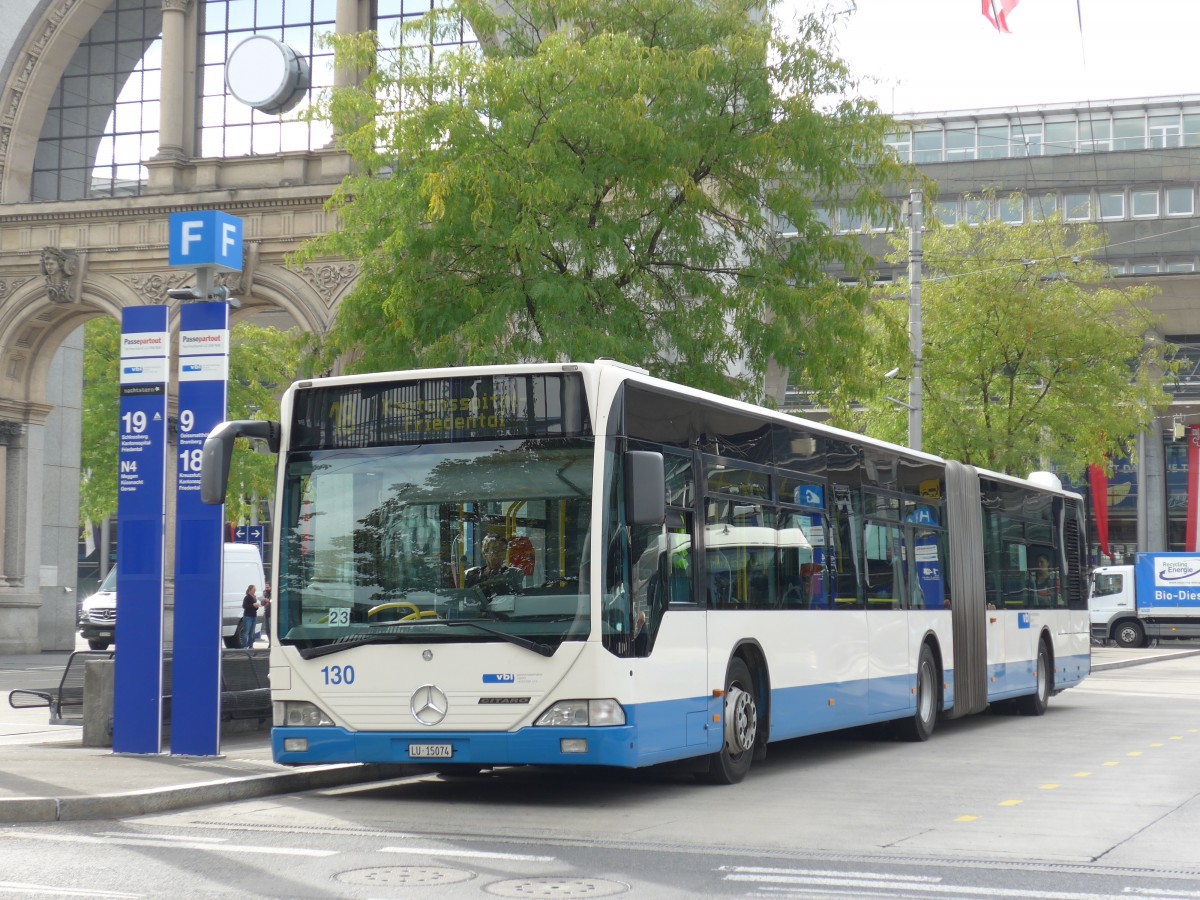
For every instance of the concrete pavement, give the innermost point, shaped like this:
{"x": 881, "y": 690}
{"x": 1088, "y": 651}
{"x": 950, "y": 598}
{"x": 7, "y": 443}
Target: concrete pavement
{"x": 47, "y": 775}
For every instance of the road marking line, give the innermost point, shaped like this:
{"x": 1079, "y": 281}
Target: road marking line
{"x": 831, "y": 873}
{"x": 1011, "y": 802}
{"x": 952, "y": 889}
{"x": 966, "y": 818}
{"x": 15, "y": 887}
{"x": 1049, "y": 787}
{"x": 1112, "y": 763}
{"x": 156, "y": 842}
{"x": 1156, "y": 745}
{"x": 1176, "y": 737}
{"x": 472, "y": 854}
{"x": 1083, "y": 775}
{"x": 162, "y": 837}
{"x": 1134, "y": 753}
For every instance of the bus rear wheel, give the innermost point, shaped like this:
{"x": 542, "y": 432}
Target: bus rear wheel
{"x": 1035, "y": 704}
{"x": 920, "y": 726}
{"x": 731, "y": 763}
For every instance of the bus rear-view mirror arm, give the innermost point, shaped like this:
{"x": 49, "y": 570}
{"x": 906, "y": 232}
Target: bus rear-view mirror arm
{"x": 218, "y": 453}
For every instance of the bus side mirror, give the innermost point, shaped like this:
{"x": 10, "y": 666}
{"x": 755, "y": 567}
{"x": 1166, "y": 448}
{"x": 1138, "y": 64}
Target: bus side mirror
{"x": 217, "y": 454}
{"x": 645, "y": 488}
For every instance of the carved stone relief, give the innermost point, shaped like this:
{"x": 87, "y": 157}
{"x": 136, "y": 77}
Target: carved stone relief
{"x": 153, "y": 288}
{"x": 329, "y": 279}
{"x": 61, "y": 270}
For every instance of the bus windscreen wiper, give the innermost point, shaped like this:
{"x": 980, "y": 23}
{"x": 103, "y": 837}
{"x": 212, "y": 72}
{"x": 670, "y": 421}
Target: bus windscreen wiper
{"x": 348, "y": 642}
{"x": 535, "y": 646}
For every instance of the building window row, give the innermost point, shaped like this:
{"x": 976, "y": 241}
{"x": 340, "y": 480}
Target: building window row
{"x": 1153, "y": 265}
{"x": 104, "y": 118}
{"x": 1017, "y": 208}
{"x": 1047, "y": 135}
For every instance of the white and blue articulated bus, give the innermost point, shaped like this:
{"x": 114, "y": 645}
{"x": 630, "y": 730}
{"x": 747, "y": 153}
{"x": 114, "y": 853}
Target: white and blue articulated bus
{"x": 581, "y": 564}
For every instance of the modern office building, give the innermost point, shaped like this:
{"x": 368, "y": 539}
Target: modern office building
{"x": 1128, "y": 166}
{"x": 116, "y": 113}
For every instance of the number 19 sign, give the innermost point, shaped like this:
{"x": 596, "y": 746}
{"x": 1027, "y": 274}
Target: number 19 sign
{"x": 141, "y": 484}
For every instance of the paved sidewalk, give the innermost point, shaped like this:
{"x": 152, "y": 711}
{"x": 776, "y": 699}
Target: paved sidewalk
{"x": 47, "y": 775}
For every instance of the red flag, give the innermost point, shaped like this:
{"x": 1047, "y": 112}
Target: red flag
{"x": 1100, "y": 505}
{"x": 996, "y": 12}
{"x": 1193, "y": 494}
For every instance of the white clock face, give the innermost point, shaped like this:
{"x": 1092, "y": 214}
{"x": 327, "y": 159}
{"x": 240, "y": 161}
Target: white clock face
{"x": 265, "y": 74}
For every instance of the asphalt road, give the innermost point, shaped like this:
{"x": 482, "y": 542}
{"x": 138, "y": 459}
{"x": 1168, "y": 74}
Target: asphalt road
{"x": 1099, "y": 798}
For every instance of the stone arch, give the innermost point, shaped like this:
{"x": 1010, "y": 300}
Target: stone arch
{"x": 49, "y": 42}
{"x": 310, "y": 299}
{"x": 32, "y": 328}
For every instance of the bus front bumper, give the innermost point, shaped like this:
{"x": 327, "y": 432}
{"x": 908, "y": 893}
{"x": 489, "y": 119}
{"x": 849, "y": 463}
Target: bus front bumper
{"x": 595, "y": 746}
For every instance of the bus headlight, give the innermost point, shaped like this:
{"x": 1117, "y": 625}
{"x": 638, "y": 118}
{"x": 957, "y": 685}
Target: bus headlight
{"x": 566, "y": 713}
{"x": 299, "y": 714}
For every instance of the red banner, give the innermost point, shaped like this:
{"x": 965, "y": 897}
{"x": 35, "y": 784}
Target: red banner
{"x": 1100, "y": 505}
{"x": 1193, "y": 481}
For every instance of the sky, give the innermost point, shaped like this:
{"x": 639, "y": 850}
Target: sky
{"x": 939, "y": 55}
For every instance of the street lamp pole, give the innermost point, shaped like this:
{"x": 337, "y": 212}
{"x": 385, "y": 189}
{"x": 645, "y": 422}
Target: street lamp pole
{"x": 915, "y": 343}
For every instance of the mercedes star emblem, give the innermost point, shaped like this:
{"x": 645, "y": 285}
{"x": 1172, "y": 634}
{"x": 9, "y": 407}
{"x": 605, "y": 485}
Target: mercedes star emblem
{"x": 428, "y": 705}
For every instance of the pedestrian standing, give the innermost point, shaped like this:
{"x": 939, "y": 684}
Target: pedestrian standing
{"x": 249, "y": 616}
{"x": 265, "y": 602}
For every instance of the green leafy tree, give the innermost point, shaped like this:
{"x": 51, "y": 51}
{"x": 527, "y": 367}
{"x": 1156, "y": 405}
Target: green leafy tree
{"x": 604, "y": 178}
{"x": 263, "y": 361}
{"x": 1031, "y": 357}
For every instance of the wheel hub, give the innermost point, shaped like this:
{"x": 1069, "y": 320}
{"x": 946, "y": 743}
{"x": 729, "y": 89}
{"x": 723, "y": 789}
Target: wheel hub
{"x": 741, "y": 720}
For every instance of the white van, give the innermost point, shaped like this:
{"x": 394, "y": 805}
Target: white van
{"x": 242, "y": 567}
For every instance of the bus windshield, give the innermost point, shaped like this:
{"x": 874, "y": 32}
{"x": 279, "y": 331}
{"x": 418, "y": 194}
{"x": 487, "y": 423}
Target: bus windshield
{"x": 467, "y": 542}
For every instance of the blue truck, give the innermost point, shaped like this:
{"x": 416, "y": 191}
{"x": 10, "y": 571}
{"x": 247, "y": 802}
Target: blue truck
{"x": 1158, "y": 597}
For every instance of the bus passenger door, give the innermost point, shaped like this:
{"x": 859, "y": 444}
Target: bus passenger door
{"x": 890, "y": 666}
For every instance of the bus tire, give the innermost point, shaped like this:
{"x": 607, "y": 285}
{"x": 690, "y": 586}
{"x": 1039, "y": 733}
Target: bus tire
{"x": 1129, "y": 633}
{"x": 920, "y": 726}
{"x": 1035, "y": 704}
{"x": 740, "y": 728}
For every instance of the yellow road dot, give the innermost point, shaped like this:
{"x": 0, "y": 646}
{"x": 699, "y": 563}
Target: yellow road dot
{"x": 1050, "y": 787}
{"x": 1156, "y": 745}
{"x": 1082, "y": 774}
{"x": 1134, "y": 753}
{"x": 1176, "y": 737}
{"x": 1193, "y": 730}
{"x": 1110, "y": 763}
{"x": 1011, "y": 802}
{"x": 966, "y": 818}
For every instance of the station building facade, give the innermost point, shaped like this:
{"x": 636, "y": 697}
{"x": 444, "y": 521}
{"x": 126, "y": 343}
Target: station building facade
{"x": 115, "y": 114}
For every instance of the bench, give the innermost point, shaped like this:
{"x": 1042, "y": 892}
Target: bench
{"x": 245, "y": 693}
{"x": 65, "y": 702}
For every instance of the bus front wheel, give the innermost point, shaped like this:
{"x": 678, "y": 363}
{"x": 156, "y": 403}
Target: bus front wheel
{"x": 732, "y": 762}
